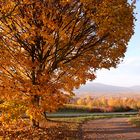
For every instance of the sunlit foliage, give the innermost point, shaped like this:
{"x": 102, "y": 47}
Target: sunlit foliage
{"x": 50, "y": 47}
{"x": 109, "y": 104}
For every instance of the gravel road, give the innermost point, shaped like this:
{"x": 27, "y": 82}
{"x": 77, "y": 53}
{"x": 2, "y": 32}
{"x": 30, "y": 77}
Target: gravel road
{"x": 110, "y": 129}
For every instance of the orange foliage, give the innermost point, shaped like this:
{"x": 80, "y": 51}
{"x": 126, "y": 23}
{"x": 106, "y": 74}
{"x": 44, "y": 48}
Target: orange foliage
{"x": 50, "y": 47}
{"x": 110, "y": 104}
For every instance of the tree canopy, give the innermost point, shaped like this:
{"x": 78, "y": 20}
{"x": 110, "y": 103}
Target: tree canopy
{"x": 50, "y": 47}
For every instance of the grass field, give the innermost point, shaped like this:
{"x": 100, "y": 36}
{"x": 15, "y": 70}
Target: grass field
{"x": 81, "y": 119}
{"x": 135, "y": 121}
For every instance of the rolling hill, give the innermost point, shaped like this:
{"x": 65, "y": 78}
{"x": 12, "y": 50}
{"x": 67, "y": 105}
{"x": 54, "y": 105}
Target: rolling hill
{"x": 98, "y": 89}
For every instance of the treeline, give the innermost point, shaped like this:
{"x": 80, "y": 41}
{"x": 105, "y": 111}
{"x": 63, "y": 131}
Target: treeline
{"x": 102, "y": 104}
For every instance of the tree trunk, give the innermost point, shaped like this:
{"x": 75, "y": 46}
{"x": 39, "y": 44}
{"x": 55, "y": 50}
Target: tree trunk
{"x": 35, "y": 123}
{"x": 36, "y": 103}
{"x": 36, "y": 98}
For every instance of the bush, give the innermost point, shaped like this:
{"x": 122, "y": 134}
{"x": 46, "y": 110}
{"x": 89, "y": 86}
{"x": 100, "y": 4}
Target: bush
{"x": 135, "y": 121}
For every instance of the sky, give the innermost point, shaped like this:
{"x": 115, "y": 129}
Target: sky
{"x": 128, "y": 72}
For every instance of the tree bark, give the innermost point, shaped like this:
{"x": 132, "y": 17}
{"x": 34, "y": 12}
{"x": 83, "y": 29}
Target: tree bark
{"x": 35, "y": 123}
{"x": 35, "y": 101}
{"x": 36, "y": 98}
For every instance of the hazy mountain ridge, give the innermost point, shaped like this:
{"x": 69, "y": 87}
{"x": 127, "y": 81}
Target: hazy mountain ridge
{"x": 98, "y": 89}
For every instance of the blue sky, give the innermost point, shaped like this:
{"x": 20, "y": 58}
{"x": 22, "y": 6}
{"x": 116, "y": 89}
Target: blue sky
{"x": 128, "y": 72}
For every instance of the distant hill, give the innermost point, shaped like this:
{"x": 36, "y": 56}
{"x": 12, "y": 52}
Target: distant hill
{"x": 98, "y": 89}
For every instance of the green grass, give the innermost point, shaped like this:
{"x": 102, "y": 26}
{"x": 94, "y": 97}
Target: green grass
{"x": 78, "y": 119}
{"x": 135, "y": 121}
{"x": 86, "y": 118}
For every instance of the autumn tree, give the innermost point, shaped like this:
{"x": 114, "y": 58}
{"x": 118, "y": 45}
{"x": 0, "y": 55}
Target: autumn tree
{"x": 50, "y": 47}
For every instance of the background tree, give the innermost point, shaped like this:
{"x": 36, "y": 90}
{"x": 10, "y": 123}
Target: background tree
{"x": 50, "y": 47}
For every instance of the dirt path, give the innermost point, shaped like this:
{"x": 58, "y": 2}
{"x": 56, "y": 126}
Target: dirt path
{"x": 110, "y": 129}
